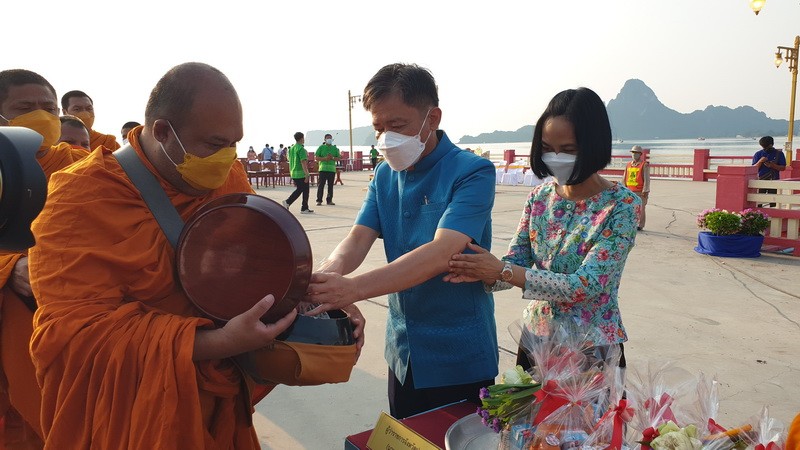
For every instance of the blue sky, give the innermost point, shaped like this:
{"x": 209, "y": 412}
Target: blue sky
{"x": 496, "y": 63}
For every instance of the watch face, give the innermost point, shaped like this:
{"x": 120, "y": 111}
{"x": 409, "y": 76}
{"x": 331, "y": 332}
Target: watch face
{"x": 507, "y": 274}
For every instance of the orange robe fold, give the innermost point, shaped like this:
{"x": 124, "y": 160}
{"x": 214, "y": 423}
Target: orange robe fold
{"x": 114, "y": 334}
{"x": 106, "y": 140}
{"x": 20, "y": 399}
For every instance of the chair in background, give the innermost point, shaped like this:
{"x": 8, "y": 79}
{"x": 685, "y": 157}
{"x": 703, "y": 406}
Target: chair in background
{"x": 284, "y": 177}
{"x": 254, "y": 171}
{"x": 313, "y": 172}
{"x": 270, "y": 169}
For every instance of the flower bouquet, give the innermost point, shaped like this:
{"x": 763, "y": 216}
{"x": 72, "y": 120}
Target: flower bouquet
{"x": 768, "y": 433}
{"x": 576, "y": 376}
{"x": 734, "y": 234}
{"x": 508, "y": 402}
{"x": 658, "y": 395}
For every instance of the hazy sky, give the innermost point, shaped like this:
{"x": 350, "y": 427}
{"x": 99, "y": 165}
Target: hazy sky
{"x": 497, "y": 63}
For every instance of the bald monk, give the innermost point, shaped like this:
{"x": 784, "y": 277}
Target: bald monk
{"x": 80, "y": 105}
{"x": 27, "y": 100}
{"x": 74, "y": 132}
{"x": 123, "y": 358}
{"x": 126, "y": 128}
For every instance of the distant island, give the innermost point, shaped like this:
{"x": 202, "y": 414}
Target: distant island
{"x": 636, "y": 113}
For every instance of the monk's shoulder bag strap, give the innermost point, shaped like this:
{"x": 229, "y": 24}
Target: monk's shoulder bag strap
{"x": 152, "y": 193}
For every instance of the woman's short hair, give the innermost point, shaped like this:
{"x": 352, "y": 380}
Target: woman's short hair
{"x": 584, "y": 109}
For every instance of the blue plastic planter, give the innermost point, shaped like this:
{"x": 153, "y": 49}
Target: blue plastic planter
{"x": 731, "y": 246}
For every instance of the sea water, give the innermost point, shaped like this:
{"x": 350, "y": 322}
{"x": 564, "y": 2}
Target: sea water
{"x": 662, "y": 151}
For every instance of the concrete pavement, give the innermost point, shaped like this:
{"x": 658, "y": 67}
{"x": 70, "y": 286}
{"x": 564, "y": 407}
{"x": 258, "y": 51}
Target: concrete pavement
{"x": 736, "y": 318}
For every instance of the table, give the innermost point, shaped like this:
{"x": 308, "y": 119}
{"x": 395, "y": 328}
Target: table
{"x": 432, "y": 425}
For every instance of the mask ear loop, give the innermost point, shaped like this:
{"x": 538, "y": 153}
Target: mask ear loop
{"x": 179, "y": 143}
{"x": 427, "y": 115}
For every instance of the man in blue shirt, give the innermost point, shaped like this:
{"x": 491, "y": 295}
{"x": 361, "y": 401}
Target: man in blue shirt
{"x": 770, "y": 162}
{"x": 266, "y": 154}
{"x": 427, "y": 203}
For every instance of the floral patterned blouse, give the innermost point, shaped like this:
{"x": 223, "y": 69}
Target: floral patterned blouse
{"x": 575, "y": 252}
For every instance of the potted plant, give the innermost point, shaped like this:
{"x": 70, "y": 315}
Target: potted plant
{"x": 731, "y": 234}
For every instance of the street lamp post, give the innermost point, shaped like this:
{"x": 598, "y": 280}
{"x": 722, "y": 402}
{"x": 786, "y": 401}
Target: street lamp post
{"x": 351, "y": 103}
{"x": 790, "y": 55}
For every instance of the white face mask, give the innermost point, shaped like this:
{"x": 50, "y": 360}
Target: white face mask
{"x": 401, "y": 151}
{"x": 329, "y": 141}
{"x": 561, "y": 165}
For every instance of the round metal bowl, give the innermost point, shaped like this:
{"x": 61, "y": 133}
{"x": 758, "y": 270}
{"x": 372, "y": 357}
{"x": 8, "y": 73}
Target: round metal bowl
{"x": 237, "y": 249}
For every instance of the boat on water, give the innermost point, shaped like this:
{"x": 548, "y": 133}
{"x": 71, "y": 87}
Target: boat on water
{"x": 701, "y": 139}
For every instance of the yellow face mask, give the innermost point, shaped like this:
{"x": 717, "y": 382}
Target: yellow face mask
{"x": 87, "y": 118}
{"x": 204, "y": 173}
{"x": 42, "y": 122}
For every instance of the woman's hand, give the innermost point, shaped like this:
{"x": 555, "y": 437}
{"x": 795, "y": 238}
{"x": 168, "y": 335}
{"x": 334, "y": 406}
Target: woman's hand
{"x": 481, "y": 266}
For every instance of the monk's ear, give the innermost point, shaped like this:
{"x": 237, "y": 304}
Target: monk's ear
{"x": 161, "y": 130}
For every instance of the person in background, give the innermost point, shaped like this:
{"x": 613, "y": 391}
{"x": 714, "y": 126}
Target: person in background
{"x": 373, "y": 157}
{"x": 267, "y": 153}
{"x": 126, "y": 128}
{"x": 298, "y": 171}
{"x": 570, "y": 247}
{"x": 251, "y": 154}
{"x": 80, "y": 105}
{"x": 426, "y": 201}
{"x": 637, "y": 179}
{"x": 282, "y": 154}
{"x": 327, "y": 154}
{"x": 74, "y": 132}
{"x": 26, "y": 100}
{"x": 770, "y": 161}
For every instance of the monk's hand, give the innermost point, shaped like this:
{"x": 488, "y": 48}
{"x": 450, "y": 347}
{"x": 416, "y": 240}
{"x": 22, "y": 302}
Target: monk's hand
{"x": 247, "y": 332}
{"x": 358, "y": 321}
{"x": 331, "y": 291}
{"x": 480, "y": 266}
{"x": 20, "y": 278}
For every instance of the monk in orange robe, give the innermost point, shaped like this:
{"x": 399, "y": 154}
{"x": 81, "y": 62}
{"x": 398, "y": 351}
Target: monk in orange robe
{"x": 123, "y": 358}
{"x": 793, "y": 438}
{"x": 80, "y": 105}
{"x": 26, "y": 99}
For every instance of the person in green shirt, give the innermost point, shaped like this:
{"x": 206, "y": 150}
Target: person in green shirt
{"x": 373, "y": 157}
{"x": 298, "y": 170}
{"x": 327, "y": 154}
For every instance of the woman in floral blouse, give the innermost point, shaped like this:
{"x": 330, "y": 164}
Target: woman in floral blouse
{"x": 575, "y": 233}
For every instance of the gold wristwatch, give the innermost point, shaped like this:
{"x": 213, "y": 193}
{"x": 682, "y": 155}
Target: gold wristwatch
{"x": 507, "y": 273}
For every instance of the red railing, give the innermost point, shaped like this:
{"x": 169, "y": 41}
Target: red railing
{"x": 737, "y": 190}
{"x": 703, "y": 167}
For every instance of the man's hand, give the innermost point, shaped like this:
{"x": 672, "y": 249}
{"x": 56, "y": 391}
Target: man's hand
{"x": 20, "y": 278}
{"x": 241, "y": 334}
{"x": 358, "y": 321}
{"x": 250, "y": 333}
{"x": 331, "y": 291}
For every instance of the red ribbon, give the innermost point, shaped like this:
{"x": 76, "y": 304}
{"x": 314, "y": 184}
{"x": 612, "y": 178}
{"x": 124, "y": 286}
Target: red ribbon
{"x": 661, "y": 405}
{"x": 622, "y": 414}
{"x": 551, "y": 398}
{"x": 714, "y": 427}
{"x": 770, "y": 446}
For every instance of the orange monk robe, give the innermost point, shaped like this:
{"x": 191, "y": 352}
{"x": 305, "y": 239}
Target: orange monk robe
{"x": 114, "y": 334}
{"x": 793, "y": 438}
{"x": 106, "y": 140}
{"x": 20, "y": 399}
